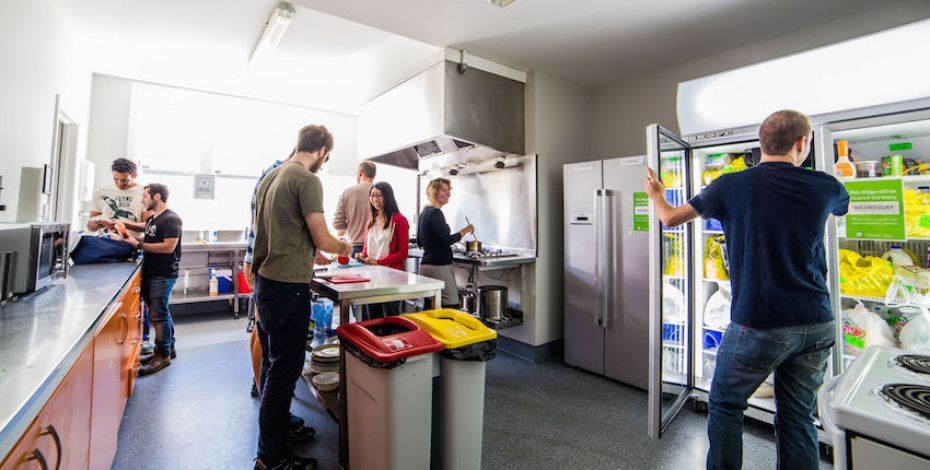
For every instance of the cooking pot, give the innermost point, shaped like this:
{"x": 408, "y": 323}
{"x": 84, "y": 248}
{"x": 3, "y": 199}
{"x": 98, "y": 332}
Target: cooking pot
{"x": 473, "y": 246}
{"x": 468, "y": 300}
{"x": 492, "y": 302}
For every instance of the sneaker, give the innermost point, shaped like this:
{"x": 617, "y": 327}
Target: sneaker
{"x": 288, "y": 463}
{"x": 254, "y": 391}
{"x": 147, "y": 348}
{"x": 300, "y": 434}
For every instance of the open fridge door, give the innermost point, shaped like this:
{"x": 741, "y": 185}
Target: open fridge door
{"x": 671, "y": 312}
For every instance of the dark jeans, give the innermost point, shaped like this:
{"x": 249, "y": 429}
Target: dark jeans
{"x": 746, "y": 356}
{"x": 356, "y": 249}
{"x": 157, "y": 295}
{"x": 283, "y": 323}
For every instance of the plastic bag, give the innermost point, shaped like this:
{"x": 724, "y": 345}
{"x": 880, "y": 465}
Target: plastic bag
{"x": 917, "y": 213}
{"x": 717, "y": 309}
{"x": 479, "y": 352}
{"x": 915, "y": 333}
{"x": 864, "y": 276}
{"x": 715, "y": 262}
{"x": 721, "y": 164}
{"x": 862, "y": 328}
{"x": 673, "y": 304}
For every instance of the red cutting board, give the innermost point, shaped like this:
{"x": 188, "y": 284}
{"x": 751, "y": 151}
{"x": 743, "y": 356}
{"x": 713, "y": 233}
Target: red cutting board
{"x": 347, "y": 278}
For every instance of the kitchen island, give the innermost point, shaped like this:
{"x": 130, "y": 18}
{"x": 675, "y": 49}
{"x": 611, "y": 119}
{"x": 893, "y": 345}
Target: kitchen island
{"x": 68, "y": 356}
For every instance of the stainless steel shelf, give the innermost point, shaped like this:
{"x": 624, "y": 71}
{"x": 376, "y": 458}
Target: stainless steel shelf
{"x": 201, "y": 295}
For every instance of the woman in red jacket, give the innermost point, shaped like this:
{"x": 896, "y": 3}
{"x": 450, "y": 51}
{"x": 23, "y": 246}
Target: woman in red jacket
{"x": 387, "y": 239}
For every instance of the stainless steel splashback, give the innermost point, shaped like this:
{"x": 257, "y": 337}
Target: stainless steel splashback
{"x": 501, "y": 203}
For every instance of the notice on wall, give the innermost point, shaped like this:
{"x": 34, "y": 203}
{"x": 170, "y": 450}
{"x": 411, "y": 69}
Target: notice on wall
{"x": 876, "y": 210}
{"x": 640, "y": 212}
{"x": 204, "y": 186}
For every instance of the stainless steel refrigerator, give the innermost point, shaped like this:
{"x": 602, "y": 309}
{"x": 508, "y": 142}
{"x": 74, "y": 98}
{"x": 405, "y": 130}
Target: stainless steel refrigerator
{"x": 607, "y": 269}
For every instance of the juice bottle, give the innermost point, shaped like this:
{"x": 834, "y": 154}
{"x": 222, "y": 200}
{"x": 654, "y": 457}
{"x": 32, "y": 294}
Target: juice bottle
{"x": 843, "y": 168}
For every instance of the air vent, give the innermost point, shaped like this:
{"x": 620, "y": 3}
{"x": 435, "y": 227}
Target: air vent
{"x": 427, "y": 148}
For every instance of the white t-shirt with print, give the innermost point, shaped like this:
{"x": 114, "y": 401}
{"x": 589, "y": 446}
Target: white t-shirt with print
{"x": 122, "y": 204}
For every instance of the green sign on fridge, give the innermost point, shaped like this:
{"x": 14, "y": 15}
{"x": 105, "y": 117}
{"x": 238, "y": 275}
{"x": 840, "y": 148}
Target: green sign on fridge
{"x": 876, "y": 210}
{"x": 640, "y": 212}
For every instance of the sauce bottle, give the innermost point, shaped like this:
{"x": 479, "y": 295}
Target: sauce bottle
{"x": 843, "y": 168}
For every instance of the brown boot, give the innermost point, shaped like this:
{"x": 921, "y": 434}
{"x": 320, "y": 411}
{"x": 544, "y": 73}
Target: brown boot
{"x": 146, "y": 358}
{"x": 159, "y": 361}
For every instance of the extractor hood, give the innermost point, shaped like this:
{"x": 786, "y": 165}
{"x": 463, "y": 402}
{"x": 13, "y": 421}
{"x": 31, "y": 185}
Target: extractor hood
{"x": 444, "y": 115}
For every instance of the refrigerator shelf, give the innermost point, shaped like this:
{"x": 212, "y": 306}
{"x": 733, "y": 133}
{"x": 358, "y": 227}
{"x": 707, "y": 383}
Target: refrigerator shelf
{"x": 879, "y": 300}
{"x": 713, "y": 232}
{"x": 909, "y": 179}
{"x": 714, "y": 281}
{"x": 907, "y": 239}
{"x": 669, "y": 277}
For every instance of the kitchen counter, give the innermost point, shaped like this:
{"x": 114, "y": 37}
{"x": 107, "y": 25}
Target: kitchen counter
{"x": 42, "y": 335}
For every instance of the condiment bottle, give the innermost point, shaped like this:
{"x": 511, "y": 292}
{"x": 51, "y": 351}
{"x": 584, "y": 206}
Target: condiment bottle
{"x": 843, "y": 168}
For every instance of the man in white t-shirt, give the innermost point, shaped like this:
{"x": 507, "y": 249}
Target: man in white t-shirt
{"x": 122, "y": 201}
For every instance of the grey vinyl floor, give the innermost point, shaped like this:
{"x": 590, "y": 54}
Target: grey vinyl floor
{"x": 197, "y": 414}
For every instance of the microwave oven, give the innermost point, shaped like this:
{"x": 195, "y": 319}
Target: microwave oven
{"x": 40, "y": 254}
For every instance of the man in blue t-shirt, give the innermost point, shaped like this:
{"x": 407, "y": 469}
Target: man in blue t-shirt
{"x": 773, "y": 217}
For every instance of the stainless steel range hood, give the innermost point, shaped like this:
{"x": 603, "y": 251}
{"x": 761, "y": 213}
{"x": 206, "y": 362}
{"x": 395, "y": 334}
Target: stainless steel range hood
{"x": 444, "y": 115}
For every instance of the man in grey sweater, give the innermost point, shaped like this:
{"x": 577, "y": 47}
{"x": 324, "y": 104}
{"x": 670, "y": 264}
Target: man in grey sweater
{"x": 353, "y": 212}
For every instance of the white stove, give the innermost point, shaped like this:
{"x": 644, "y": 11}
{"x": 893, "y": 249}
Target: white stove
{"x": 878, "y": 411}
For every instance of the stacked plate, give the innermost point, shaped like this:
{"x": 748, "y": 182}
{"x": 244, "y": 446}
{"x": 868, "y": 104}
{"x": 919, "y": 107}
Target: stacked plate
{"x": 325, "y": 359}
{"x": 326, "y": 382}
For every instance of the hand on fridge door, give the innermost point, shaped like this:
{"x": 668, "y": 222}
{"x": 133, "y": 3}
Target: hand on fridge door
{"x": 670, "y": 216}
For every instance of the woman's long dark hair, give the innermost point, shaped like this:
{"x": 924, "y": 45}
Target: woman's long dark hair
{"x": 390, "y": 204}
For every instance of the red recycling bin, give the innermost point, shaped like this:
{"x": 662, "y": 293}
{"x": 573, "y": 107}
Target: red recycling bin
{"x": 388, "y": 393}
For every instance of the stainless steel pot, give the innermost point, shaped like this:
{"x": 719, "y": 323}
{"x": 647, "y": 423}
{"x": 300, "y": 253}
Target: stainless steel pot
{"x": 473, "y": 246}
{"x": 468, "y": 300}
{"x": 492, "y": 302}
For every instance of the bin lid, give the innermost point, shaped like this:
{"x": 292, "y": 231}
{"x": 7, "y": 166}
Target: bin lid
{"x": 453, "y": 328}
{"x": 388, "y": 340}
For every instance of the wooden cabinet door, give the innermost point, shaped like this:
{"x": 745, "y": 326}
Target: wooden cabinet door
{"x": 60, "y": 434}
{"x": 32, "y": 451}
{"x": 132, "y": 345}
{"x": 67, "y": 414}
{"x": 107, "y": 397}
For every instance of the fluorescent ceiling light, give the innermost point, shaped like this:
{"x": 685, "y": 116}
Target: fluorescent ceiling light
{"x": 501, "y": 3}
{"x": 277, "y": 25}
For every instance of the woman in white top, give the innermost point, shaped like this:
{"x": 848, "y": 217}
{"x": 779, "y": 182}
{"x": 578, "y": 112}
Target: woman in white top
{"x": 387, "y": 239}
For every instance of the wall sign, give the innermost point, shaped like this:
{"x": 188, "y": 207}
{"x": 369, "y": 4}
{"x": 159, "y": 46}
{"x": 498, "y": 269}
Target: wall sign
{"x": 204, "y": 186}
{"x": 876, "y": 210}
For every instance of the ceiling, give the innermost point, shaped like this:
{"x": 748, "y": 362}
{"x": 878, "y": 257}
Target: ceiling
{"x": 323, "y": 61}
{"x": 593, "y": 42}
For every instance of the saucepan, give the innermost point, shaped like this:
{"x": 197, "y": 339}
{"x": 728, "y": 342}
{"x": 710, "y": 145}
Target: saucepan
{"x": 473, "y": 246}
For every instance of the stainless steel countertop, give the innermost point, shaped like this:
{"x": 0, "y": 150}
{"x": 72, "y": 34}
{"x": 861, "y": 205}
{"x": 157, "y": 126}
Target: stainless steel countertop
{"x": 383, "y": 281}
{"x": 191, "y": 247}
{"x": 41, "y": 337}
{"x": 484, "y": 264}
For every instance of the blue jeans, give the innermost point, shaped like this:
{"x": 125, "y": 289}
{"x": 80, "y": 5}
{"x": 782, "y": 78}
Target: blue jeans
{"x": 157, "y": 295}
{"x": 283, "y": 322}
{"x": 746, "y": 356}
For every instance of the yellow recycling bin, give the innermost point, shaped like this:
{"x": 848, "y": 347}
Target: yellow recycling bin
{"x": 468, "y": 346}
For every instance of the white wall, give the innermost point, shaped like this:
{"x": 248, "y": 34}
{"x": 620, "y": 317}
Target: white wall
{"x": 622, "y": 111}
{"x": 108, "y": 138}
{"x": 39, "y": 60}
{"x": 557, "y": 123}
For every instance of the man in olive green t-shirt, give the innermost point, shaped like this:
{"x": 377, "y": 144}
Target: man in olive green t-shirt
{"x": 289, "y": 229}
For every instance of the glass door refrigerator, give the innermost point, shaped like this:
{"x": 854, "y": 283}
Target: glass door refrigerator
{"x": 689, "y": 276}
{"x": 878, "y": 255}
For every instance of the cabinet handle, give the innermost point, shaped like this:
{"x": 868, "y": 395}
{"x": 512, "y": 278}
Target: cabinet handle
{"x": 125, "y": 320}
{"x": 37, "y": 455}
{"x": 50, "y": 431}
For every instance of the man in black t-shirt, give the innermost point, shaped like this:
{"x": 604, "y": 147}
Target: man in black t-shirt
{"x": 773, "y": 217}
{"x": 162, "y": 253}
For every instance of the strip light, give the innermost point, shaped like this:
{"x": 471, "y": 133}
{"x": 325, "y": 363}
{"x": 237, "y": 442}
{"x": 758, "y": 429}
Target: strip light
{"x": 277, "y": 25}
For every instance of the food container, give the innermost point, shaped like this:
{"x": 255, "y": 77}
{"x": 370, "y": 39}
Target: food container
{"x": 868, "y": 169}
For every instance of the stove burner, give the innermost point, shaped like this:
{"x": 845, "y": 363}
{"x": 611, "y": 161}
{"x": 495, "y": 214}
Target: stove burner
{"x": 914, "y": 398}
{"x": 914, "y": 362}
